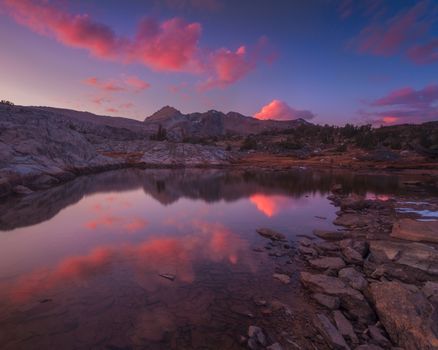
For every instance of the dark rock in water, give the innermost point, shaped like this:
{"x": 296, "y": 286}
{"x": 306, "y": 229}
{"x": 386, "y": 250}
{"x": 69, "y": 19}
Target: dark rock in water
{"x": 408, "y": 317}
{"x": 271, "y": 234}
{"x": 167, "y": 276}
{"x": 331, "y": 235}
{"x": 330, "y": 333}
{"x": 328, "y": 301}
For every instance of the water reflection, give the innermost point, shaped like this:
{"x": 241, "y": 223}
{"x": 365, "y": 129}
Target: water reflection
{"x": 168, "y": 186}
{"x": 80, "y": 263}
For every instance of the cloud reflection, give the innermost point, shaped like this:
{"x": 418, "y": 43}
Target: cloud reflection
{"x": 209, "y": 242}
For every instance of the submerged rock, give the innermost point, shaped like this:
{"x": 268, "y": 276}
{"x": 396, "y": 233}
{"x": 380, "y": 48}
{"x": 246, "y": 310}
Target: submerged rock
{"x": 271, "y": 234}
{"x": 328, "y": 301}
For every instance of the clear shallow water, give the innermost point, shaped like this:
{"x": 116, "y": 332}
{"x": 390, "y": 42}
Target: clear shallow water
{"x": 80, "y": 264}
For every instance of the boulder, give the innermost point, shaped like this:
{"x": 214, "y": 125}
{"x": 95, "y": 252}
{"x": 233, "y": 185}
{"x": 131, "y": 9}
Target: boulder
{"x": 354, "y": 220}
{"x": 351, "y": 299}
{"x": 430, "y": 290}
{"x": 408, "y": 317}
{"x": 417, "y": 231}
{"x": 333, "y": 263}
{"x": 414, "y": 255}
{"x": 331, "y": 335}
{"x": 328, "y": 301}
{"x": 354, "y": 278}
{"x": 345, "y": 327}
{"x": 377, "y": 336}
{"x": 271, "y": 234}
{"x": 331, "y": 235}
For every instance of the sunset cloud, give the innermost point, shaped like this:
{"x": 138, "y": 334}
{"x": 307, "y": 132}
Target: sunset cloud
{"x": 169, "y": 46}
{"x": 131, "y": 83}
{"x": 387, "y": 38}
{"x": 136, "y": 83}
{"x": 405, "y": 105}
{"x": 280, "y": 110}
{"x": 110, "y": 86}
{"x": 396, "y": 34}
{"x": 425, "y": 53}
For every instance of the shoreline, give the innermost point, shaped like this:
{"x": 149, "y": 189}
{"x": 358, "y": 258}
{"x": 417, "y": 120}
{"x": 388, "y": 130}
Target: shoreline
{"x": 375, "y": 280}
{"x": 24, "y": 184}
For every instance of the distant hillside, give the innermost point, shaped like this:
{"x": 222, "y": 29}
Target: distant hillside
{"x": 213, "y": 124}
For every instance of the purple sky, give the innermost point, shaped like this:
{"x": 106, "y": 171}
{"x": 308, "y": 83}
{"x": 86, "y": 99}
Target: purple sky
{"x": 330, "y": 61}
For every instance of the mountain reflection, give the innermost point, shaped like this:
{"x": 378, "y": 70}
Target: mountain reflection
{"x": 267, "y": 190}
{"x": 144, "y": 261}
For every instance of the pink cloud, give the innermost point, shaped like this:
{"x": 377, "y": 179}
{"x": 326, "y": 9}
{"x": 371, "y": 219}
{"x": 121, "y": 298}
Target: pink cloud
{"x": 389, "y": 37}
{"x": 404, "y": 105}
{"x": 171, "y": 45}
{"x": 227, "y": 67}
{"x": 110, "y": 86}
{"x": 280, "y": 110}
{"x": 409, "y": 96}
{"x": 426, "y": 53}
{"x": 136, "y": 83}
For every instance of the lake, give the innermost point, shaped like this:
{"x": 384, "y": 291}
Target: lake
{"x": 158, "y": 259}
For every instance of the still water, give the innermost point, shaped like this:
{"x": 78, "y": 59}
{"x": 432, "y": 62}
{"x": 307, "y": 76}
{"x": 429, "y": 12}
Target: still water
{"x": 82, "y": 264}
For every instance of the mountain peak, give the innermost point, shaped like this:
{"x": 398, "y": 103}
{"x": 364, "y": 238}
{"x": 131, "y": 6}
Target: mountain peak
{"x": 164, "y": 113}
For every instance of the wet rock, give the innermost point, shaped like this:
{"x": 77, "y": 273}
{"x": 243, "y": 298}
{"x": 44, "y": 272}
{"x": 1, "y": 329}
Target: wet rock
{"x": 307, "y": 250}
{"x": 351, "y": 299}
{"x": 23, "y": 190}
{"x": 377, "y": 336}
{"x": 306, "y": 242}
{"x": 328, "y": 301}
{"x": 282, "y": 278}
{"x": 345, "y": 327}
{"x": 354, "y": 220}
{"x": 408, "y": 317}
{"x": 418, "y": 231}
{"x": 326, "y": 246}
{"x": 275, "y": 346}
{"x": 256, "y": 337}
{"x": 354, "y": 278}
{"x": 331, "y": 335}
{"x": 333, "y": 263}
{"x": 352, "y": 256}
{"x": 331, "y": 235}
{"x": 271, "y": 234}
{"x": 336, "y": 188}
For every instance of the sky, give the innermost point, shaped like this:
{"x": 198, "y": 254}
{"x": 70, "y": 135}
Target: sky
{"x": 327, "y": 61}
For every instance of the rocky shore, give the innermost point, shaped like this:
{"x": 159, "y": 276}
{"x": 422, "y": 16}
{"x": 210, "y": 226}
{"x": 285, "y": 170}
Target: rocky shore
{"x": 375, "y": 279}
